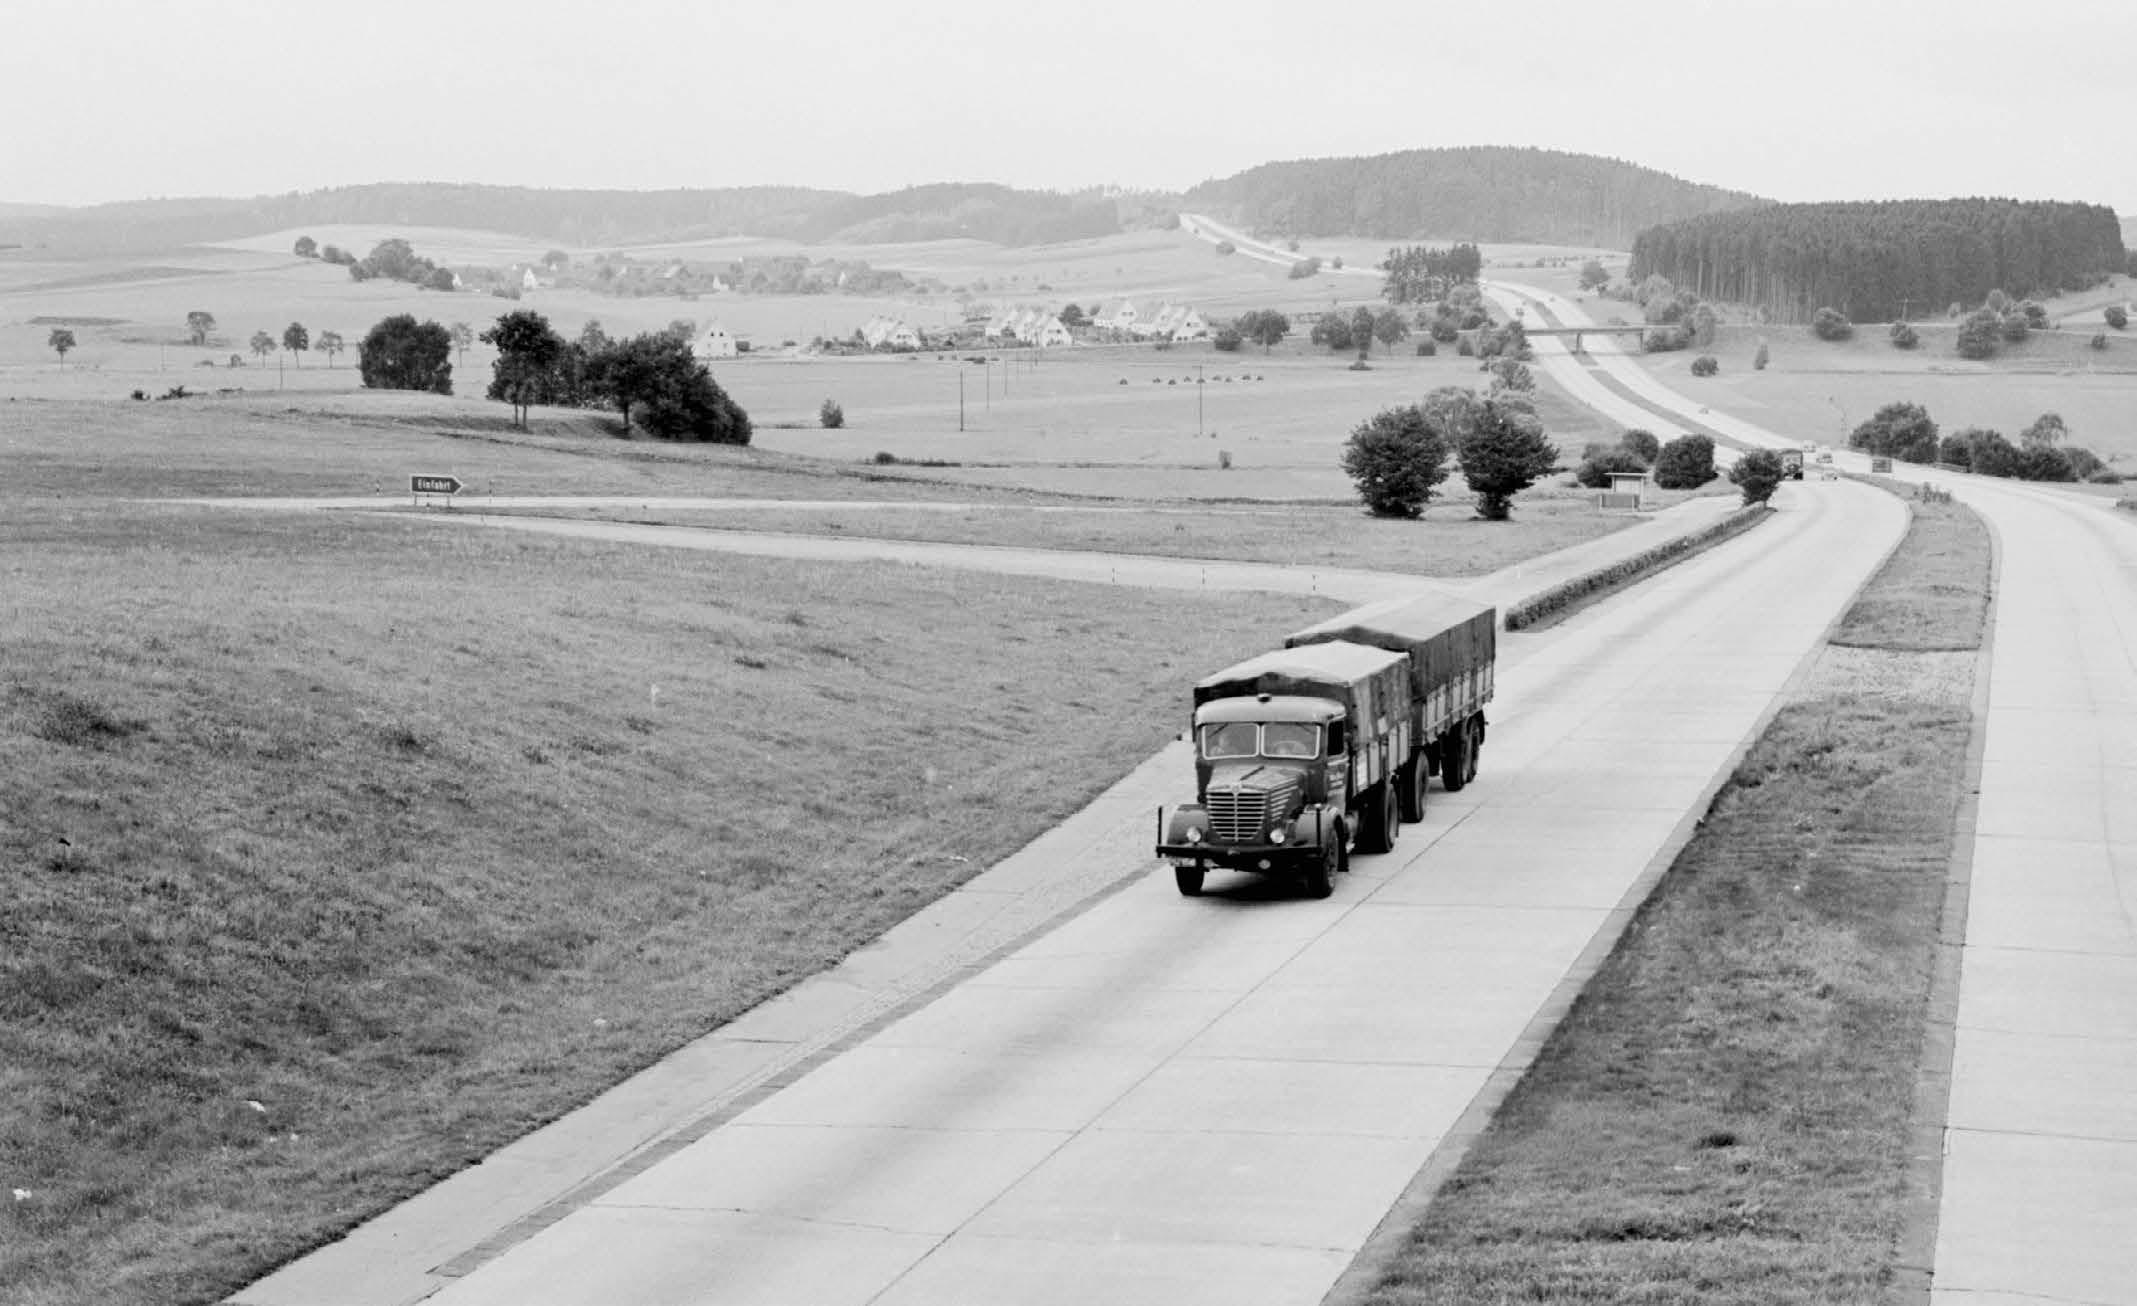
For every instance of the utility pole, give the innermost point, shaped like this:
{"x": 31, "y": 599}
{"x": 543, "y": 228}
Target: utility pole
{"x": 1198, "y": 401}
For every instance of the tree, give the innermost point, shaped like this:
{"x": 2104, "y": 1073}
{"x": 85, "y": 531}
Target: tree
{"x": 1987, "y": 452}
{"x": 1304, "y": 268}
{"x": 1685, "y": 463}
{"x": 60, "y": 341}
{"x": 1595, "y": 469}
{"x": 677, "y": 397}
{"x": 831, "y": 416}
{"x": 1757, "y": 474}
{"x": 1510, "y": 374}
{"x": 307, "y": 247}
{"x": 463, "y": 335}
{"x": 401, "y": 354}
{"x": 439, "y": 279}
{"x": 1705, "y": 365}
{"x": 1504, "y": 454}
{"x": 1072, "y": 317}
{"x": 1831, "y": 324}
{"x": 1266, "y": 328}
{"x": 1389, "y": 328}
{"x": 330, "y": 345}
{"x": 528, "y": 352}
{"x": 1703, "y": 324}
{"x": 1453, "y": 411}
{"x": 1761, "y": 358}
{"x": 555, "y": 259}
{"x": 262, "y": 344}
{"x": 1333, "y": 330}
{"x": 1642, "y": 443}
{"x": 2047, "y": 431}
{"x": 1227, "y": 340}
{"x": 1979, "y": 334}
{"x": 1395, "y": 458}
{"x": 1593, "y": 275}
{"x": 199, "y": 326}
{"x": 296, "y": 340}
{"x": 593, "y": 339}
{"x": 1361, "y": 330}
{"x": 1901, "y": 430}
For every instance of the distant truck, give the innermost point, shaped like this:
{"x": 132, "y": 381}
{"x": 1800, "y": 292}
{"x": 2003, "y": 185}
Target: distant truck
{"x": 1792, "y": 464}
{"x": 1330, "y": 740}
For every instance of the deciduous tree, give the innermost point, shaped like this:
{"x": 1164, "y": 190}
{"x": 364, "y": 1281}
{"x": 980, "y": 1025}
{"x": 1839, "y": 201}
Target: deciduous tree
{"x": 60, "y": 341}
{"x": 463, "y": 335}
{"x": 1685, "y": 463}
{"x": 528, "y": 352}
{"x": 262, "y": 344}
{"x": 1265, "y": 327}
{"x": 401, "y": 354}
{"x": 296, "y": 340}
{"x": 306, "y": 247}
{"x": 1902, "y": 430}
{"x": 1396, "y": 458}
{"x": 1505, "y": 453}
{"x": 199, "y": 326}
{"x": 1758, "y": 474}
{"x": 330, "y": 344}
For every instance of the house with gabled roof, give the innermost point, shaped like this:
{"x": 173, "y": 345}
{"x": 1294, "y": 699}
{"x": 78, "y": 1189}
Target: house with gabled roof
{"x": 713, "y": 342}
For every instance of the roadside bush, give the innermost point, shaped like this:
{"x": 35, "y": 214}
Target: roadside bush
{"x": 2099, "y": 340}
{"x": 1979, "y": 334}
{"x": 1904, "y": 337}
{"x": 1226, "y": 247}
{"x": 1988, "y": 453}
{"x": 1664, "y": 340}
{"x": 1685, "y": 463}
{"x": 1831, "y": 324}
{"x": 1757, "y": 474}
{"x": 2117, "y": 316}
{"x": 1396, "y": 458}
{"x": 831, "y": 415}
{"x": 1955, "y": 450}
{"x": 1642, "y": 443}
{"x": 1595, "y": 469}
{"x": 2084, "y": 463}
{"x": 2042, "y": 462}
{"x": 2106, "y": 476}
{"x": 1705, "y": 365}
{"x": 1761, "y": 358}
{"x": 1901, "y": 430}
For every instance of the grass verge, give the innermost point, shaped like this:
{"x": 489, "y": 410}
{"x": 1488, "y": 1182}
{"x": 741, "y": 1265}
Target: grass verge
{"x": 341, "y": 852}
{"x": 1725, "y": 1115}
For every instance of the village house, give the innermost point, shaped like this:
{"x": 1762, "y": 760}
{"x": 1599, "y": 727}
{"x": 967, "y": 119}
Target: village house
{"x": 713, "y": 342}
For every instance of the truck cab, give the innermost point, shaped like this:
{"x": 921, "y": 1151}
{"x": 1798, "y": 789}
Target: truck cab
{"x": 1272, "y": 780}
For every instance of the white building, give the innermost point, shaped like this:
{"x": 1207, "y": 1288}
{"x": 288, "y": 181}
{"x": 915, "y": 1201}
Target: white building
{"x": 713, "y": 342}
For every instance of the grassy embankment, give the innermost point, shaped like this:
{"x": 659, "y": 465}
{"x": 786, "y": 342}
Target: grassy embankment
{"x": 1724, "y": 1117}
{"x": 342, "y": 850}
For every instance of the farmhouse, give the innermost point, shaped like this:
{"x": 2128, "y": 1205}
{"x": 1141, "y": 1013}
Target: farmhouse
{"x": 529, "y": 281}
{"x": 1172, "y": 322}
{"x": 713, "y": 342}
{"x": 1122, "y": 317}
{"x": 881, "y": 332}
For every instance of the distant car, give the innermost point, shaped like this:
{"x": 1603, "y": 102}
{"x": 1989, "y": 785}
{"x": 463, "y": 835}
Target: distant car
{"x": 1825, "y": 457}
{"x": 1880, "y": 466}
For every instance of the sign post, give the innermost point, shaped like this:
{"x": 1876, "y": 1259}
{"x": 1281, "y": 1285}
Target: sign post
{"x": 444, "y": 487}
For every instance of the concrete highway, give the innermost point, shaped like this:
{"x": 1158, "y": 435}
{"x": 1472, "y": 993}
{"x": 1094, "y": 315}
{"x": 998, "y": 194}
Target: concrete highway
{"x": 1216, "y": 1100}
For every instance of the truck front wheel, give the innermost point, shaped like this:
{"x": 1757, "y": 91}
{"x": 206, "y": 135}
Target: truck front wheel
{"x": 1381, "y": 822}
{"x": 1189, "y": 880}
{"x": 1320, "y": 874}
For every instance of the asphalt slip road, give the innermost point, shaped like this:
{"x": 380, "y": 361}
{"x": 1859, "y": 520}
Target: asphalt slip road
{"x": 1168, "y": 1100}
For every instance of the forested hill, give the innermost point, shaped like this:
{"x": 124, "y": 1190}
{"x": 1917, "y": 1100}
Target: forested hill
{"x": 1877, "y": 261}
{"x": 1494, "y": 193}
{"x": 586, "y": 218}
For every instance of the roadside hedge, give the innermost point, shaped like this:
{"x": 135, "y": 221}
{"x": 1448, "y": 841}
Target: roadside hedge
{"x": 1560, "y": 597}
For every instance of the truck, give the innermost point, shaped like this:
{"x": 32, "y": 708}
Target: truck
{"x": 1327, "y": 743}
{"x": 1792, "y": 464}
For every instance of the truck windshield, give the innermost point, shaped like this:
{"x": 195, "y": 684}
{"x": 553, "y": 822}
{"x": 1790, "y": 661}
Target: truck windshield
{"x": 1254, "y": 739}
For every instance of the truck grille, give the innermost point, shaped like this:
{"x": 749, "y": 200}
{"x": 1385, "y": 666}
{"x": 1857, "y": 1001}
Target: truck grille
{"x": 1240, "y": 815}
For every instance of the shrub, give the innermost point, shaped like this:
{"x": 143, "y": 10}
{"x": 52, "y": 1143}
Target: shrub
{"x": 1831, "y": 324}
{"x": 831, "y": 415}
{"x": 1900, "y": 430}
{"x": 1305, "y": 267}
{"x": 2106, "y": 476}
{"x": 1228, "y": 340}
{"x": 1503, "y": 454}
{"x": 1426, "y": 349}
{"x": 1642, "y": 443}
{"x": 2084, "y": 463}
{"x": 1509, "y": 374}
{"x": 1705, "y": 365}
{"x": 2117, "y": 316}
{"x": 1396, "y": 458}
{"x": 1988, "y": 453}
{"x": 2036, "y": 315}
{"x": 2042, "y": 462}
{"x": 1595, "y": 469}
{"x": 2099, "y": 340}
{"x": 1978, "y": 335}
{"x": 1226, "y": 247}
{"x": 2014, "y": 328}
{"x": 1686, "y": 463}
{"x": 1757, "y": 474}
{"x": 1662, "y": 340}
{"x": 1560, "y": 597}
{"x": 1465, "y": 348}
{"x": 1761, "y": 358}
{"x": 1955, "y": 450}
{"x": 1444, "y": 330}
{"x": 1904, "y": 337}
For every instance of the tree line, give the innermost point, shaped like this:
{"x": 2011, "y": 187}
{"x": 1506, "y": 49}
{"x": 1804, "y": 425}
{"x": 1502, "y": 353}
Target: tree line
{"x": 1884, "y": 260}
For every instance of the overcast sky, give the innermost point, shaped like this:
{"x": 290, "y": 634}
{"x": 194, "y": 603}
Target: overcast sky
{"x": 1792, "y": 99}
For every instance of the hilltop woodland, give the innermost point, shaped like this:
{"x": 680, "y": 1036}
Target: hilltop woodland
{"x": 1482, "y": 193}
{"x": 1886, "y": 260}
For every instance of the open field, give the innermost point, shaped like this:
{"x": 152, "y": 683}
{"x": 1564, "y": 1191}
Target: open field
{"x": 415, "y": 837}
{"x": 1726, "y": 1115}
{"x": 1821, "y": 391}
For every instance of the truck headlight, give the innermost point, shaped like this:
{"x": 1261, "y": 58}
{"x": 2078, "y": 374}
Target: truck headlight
{"x": 1194, "y": 834}
{"x": 1277, "y": 834}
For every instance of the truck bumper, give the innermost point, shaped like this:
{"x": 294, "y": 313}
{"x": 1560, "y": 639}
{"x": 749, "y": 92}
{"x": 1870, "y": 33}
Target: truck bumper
{"x": 1239, "y": 857}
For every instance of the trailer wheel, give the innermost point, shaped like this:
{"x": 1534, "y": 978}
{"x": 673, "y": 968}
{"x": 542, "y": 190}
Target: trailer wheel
{"x": 1320, "y": 873}
{"x": 1476, "y": 743}
{"x": 1413, "y": 782}
{"x": 1189, "y": 880}
{"x": 1455, "y": 755}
